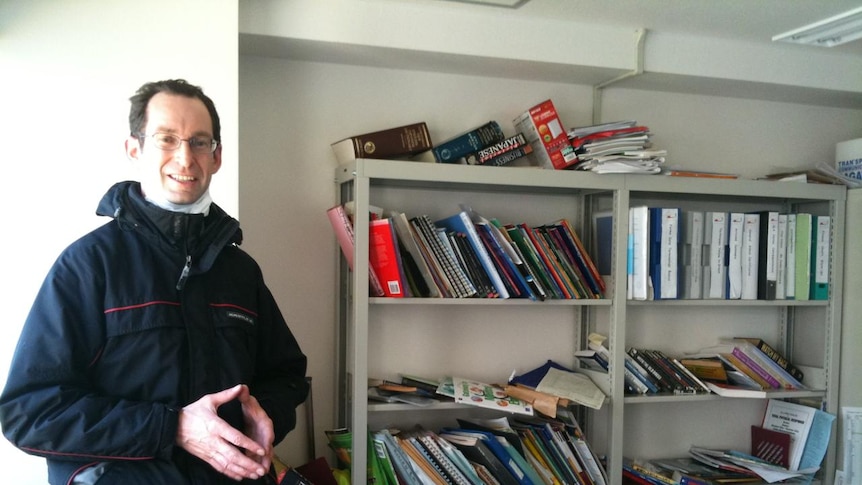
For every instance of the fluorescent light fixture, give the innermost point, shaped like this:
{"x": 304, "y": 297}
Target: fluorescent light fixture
{"x": 495, "y": 3}
{"x": 829, "y": 32}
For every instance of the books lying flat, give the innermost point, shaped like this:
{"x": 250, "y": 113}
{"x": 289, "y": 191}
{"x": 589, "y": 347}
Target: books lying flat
{"x": 391, "y": 143}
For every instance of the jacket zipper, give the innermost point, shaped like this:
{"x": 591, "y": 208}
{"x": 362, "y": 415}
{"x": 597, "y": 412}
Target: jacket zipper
{"x": 185, "y": 274}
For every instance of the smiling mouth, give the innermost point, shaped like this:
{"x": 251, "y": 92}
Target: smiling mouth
{"x": 183, "y": 178}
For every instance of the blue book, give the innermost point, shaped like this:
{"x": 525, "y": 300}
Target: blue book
{"x": 463, "y": 144}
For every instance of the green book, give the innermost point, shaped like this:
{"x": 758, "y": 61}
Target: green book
{"x": 803, "y": 256}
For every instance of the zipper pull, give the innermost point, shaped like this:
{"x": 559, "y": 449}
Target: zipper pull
{"x": 185, "y": 274}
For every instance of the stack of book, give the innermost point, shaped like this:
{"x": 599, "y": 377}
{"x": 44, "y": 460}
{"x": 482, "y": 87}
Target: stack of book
{"x": 466, "y": 255}
{"x": 482, "y": 145}
{"x": 744, "y": 367}
{"x": 618, "y": 147}
{"x": 762, "y": 255}
{"x": 528, "y": 451}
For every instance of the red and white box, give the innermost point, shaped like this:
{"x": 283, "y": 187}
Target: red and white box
{"x": 542, "y": 127}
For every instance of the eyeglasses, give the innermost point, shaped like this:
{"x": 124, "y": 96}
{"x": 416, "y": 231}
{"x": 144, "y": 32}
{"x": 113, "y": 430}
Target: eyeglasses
{"x": 169, "y": 142}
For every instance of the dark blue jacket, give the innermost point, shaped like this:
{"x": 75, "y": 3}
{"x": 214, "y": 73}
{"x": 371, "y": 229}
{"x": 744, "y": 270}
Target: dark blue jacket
{"x": 135, "y": 320}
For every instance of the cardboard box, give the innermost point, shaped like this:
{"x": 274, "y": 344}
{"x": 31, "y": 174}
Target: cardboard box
{"x": 547, "y": 134}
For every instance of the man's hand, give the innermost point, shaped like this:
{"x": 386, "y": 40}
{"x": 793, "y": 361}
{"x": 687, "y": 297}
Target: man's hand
{"x": 204, "y": 434}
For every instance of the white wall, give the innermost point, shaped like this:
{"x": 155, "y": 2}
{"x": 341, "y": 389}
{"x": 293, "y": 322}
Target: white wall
{"x": 291, "y": 111}
{"x": 68, "y": 70}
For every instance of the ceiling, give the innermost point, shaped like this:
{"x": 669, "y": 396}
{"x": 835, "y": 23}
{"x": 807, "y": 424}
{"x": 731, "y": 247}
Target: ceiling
{"x": 747, "y": 20}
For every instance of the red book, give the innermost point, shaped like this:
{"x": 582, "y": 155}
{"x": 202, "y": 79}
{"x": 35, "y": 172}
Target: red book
{"x": 343, "y": 228}
{"x": 383, "y": 252}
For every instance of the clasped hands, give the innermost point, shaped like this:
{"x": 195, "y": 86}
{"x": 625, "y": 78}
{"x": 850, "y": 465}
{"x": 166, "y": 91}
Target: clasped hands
{"x": 204, "y": 434}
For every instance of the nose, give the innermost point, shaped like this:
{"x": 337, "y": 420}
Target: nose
{"x": 183, "y": 154}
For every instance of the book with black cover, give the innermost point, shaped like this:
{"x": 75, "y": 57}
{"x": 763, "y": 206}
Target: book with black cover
{"x": 475, "y": 450}
{"x": 483, "y": 156}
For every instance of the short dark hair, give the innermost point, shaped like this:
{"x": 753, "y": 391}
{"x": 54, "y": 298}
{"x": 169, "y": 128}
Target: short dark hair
{"x": 141, "y": 98}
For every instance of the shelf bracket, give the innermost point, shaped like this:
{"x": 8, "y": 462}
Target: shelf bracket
{"x": 640, "y": 37}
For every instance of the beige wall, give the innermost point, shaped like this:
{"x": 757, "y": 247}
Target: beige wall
{"x": 68, "y": 70}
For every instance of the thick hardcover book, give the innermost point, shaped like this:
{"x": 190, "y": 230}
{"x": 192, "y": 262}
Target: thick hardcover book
{"x": 776, "y": 356}
{"x": 463, "y": 144}
{"x": 804, "y": 230}
{"x": 663, "y": 252}
{"x": 383, "y": 249}
{"x": 343, "y": 228}
{"x": 461, "y": 223}
{"x": 767, "y": 259}
{"x": 482, "y": 156}
{"x": 397, "y": 142}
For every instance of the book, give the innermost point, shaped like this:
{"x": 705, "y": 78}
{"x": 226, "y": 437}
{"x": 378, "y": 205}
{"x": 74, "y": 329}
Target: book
{"x": 444, "y": 260}
{"x": 786, "y": 380}
{"x": 663, "y": 252}
{"x": 510, "y": 156}
{"x": 715, "y": 266}
{"x": 518, "y": 233}
{"x": 767, "y": 259}
{"x": 639, "y": 250}
{"x": 391, "y": 143}
{"x": 581, "y": 257}
{"x": 734, "y": 255}
{"x": 770, "y": 445}
{"x": 793, "y": 419}
{"x": 475, "y": 393}
{"x": 455, "y": 148}
{"x": 691, "y": 255}
{"x": 543, "y": 129}
{"x": 503, "y": 450}
{"x": 751, "y": 256}
{"x": 461, "y": 223}
{"x": 822, "y": 241}
{"x": 754, "y": 365}
{"x": 407, "y": 241}
{"x": 383, "y": 250}
{"x": 706, "y": 368}
{"x": 730, "y": 390}
{"x": 776, "y": 356}
{"x": 476, "y": 450}
{"x": 781, "y": 259}
{"x": 804, "y": 231}
{"x": 484, "y": 155}
{"x": 344, "y": 234}
{"x": 790, "y": 259}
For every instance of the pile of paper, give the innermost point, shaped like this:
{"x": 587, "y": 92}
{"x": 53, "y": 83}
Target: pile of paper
{"x": 618, "y": 147}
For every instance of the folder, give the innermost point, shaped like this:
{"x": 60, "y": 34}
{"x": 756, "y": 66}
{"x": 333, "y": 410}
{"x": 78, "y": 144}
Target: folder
{"x": 639, "y": 234}
{"x": 715, "y": 265}
{"x": 820, "y": 270}
{"x": 790, "y": 265}
{"x": 663, "y": 252}
{"x": 803, "y": 256}
{"x": 750, "y": 255}
{"x": 734, "y": 255}
{"x": 781, "y": 259}
{"x": 767, "y": 258}
{"x": 691, "y": 255}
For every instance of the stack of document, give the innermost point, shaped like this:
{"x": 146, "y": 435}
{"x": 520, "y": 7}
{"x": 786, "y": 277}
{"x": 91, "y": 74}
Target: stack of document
{"x": 618, "y": 147}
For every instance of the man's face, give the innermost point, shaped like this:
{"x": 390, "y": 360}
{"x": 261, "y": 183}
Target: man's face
{"x": 183, "y": 175}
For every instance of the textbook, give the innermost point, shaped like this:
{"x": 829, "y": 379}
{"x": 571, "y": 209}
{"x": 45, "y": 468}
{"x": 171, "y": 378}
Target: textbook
{"x": 470, "y": 141}
{"x": 396, "y": 142}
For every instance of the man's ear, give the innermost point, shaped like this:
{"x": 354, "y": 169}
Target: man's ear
{"x": 133, "y": 147}
{"x": 217, "y": 159}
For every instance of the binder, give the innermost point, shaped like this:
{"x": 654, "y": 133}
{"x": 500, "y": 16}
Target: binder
{"x": 663, "y": 252}
{"x": 820, "y": 270}
{"x": 734, "y": 255}
{"x": 790, "y": 269}
{"x": 750, "y": 256}
{"x": 639, "y": 234}
{"x": 715, "y": 265}
{"x": 767, "y": 262}
{"x": 803, "y": 256}
{"x": 781, "y": 259}
{"x": 691, "y": 255}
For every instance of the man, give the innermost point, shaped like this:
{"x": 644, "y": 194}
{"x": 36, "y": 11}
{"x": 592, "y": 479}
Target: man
{"x": 154, "y": 353}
